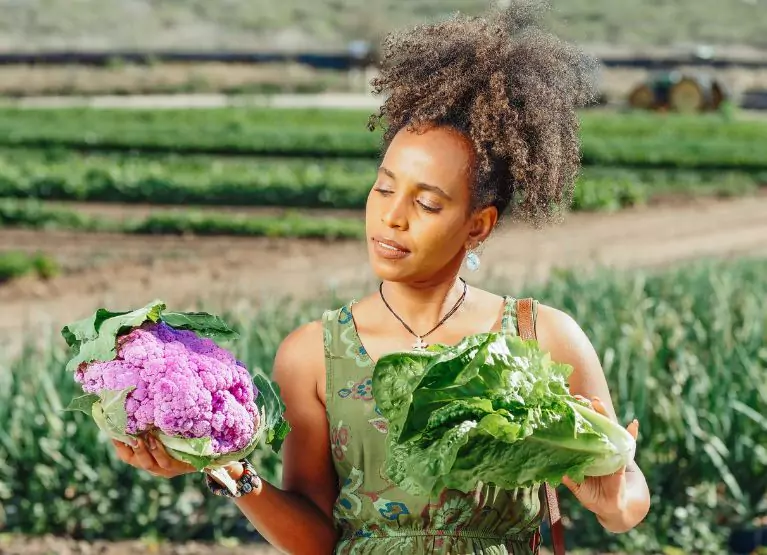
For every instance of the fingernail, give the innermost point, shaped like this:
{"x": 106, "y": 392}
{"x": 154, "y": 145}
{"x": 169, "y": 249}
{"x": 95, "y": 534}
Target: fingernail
{"x": 151, "y": 441}
{"x": 132, "y": 443}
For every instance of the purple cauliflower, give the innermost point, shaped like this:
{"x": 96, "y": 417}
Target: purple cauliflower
{"x": 185, "y": 386}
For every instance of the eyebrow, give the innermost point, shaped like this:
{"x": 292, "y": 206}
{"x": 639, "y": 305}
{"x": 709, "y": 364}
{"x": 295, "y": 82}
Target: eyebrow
{"x": 423, "y": 186}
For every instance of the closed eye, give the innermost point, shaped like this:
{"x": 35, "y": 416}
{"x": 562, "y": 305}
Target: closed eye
{"x": 428, "y": 208}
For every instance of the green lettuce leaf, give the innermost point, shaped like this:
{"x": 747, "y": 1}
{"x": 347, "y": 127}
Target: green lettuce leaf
{"x": 492, "y": 409}
{"x": 395, "y": 378}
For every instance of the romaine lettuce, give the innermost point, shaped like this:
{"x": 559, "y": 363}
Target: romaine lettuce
{"x": 492, "y": 409}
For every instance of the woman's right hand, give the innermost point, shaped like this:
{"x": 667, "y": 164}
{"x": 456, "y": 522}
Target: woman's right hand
{"x": 150, "y": 455}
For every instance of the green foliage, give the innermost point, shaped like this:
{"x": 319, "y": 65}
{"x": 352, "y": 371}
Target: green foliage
{"x": 683, "y": 351}
{"x": 490, "y": 409}
{"x": 36, "y": 215}
{"x": 310, "y": 132}
{"x": 299, "y": 183}
{"x": 15, "y": 264}
{"x": 638, "y": 140}
{"x": 291, "y": 225}
{"x": 185, "y": 180}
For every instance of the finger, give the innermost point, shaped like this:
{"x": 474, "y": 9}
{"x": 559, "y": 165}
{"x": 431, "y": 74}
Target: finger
{"x": 571, "y": 485}
{"x": 633, "y": 428}
{"x": 599, "y": 406}
{"x": 124, "y": 451}
{"x": 164, "y": 460}
{"x": 143, "y": 458}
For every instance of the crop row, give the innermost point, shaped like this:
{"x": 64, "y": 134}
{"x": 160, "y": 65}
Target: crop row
{"x": 242, "y": 120}
{"x": 607, "y": 139}
{"x": 299, "y": 183}
{"x": 14, "y": 264}
{"x": 32, "y": 214}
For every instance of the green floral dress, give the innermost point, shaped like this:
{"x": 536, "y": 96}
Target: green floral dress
{"x": 374, "y": 516}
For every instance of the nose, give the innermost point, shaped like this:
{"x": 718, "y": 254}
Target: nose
{"x": 395, "y": 214}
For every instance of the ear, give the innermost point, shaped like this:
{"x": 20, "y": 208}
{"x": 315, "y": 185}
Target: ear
{"x": 482, "y": 223}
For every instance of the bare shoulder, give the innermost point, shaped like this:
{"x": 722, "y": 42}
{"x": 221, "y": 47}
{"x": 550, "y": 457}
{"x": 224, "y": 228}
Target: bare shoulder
{"x": 558, "y": 332}
{"x": 300, "y": 358}
{"x": 560, "y": 335}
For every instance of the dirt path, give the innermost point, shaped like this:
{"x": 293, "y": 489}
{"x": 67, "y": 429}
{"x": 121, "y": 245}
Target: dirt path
{"x": 335, "y": 100}
{"x": 46, "y": 545}
{"x": 120, "y": 271}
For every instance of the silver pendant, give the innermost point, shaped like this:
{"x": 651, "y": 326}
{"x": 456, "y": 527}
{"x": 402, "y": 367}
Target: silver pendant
{"x": 419, "y": 345}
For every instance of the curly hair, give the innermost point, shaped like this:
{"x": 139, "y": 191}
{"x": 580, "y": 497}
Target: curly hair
{"x": 510, "y": 87}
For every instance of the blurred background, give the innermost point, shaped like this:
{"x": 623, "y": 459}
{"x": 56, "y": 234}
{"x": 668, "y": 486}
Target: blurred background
{"x": 215, "y": 155}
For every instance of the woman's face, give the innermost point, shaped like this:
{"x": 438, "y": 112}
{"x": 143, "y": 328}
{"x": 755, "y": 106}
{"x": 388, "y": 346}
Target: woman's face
{"x": 418, "y": 220}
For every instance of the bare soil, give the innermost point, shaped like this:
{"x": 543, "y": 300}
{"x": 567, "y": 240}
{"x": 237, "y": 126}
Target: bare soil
{"x": 32, "y": 80}
{"x": 51, "y": 545}
{"x": 112, "y": 270}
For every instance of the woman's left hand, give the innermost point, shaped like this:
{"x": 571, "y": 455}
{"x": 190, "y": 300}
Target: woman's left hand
{"x": 604, "y": 495}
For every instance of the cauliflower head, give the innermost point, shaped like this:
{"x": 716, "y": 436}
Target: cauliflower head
{"x": 185, "y": 386}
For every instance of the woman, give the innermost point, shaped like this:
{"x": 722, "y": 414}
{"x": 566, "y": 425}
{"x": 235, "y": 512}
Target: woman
{"x": 481, "y": 121}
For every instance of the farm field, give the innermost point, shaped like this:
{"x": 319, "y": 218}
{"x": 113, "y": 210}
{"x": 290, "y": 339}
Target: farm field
{"x": 678, "y": 346}
{"x": 257, "y": 214}
{"x": 107, "y": 267}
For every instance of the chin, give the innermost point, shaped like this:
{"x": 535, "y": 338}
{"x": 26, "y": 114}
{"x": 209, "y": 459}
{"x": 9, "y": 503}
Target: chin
{"x": 389, "y": 270}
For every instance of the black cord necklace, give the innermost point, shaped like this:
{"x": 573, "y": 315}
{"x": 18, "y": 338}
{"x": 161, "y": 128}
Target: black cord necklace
{"x": 420, "y": 343}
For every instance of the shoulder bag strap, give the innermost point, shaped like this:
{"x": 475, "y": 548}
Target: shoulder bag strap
{"x": 526, "y": 328}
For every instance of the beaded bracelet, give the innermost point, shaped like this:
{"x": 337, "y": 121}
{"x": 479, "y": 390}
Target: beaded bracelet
{"x": 248, "y": 482}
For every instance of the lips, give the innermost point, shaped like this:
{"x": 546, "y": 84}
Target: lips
{"x": 390, "y": 243}
{"x": 388, "y": 248}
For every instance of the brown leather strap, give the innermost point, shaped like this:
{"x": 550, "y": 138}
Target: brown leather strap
{"x": 526, "y": 327}
{"x": 525, "y": 319}
{"x": 555, "y": 520}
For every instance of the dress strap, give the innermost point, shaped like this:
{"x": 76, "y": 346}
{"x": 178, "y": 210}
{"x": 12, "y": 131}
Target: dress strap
{"x": 345, "y": 356}
{"x": 509, "y": 318}
{"x": 336, "y": 323}
{"x": 329, "y": 331}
